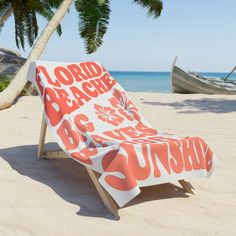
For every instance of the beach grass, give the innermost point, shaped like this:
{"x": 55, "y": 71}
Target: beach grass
{"x": 3, "y": 83}
{"x": 28, "y": 90}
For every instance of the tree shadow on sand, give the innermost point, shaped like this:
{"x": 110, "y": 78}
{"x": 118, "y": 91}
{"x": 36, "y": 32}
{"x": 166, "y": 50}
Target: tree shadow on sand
{"x": 71, "y": 181}
{"x": 213, "y": 105}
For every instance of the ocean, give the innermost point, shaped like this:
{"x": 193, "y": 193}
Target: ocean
{"x": 151, "y": 81}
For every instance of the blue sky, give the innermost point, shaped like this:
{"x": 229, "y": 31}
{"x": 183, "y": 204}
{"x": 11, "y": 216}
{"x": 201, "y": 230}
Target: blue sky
{"x": 202, "y": 33}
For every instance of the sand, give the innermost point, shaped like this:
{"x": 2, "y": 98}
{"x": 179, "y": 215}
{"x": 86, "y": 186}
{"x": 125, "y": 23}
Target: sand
{"x": 56, "y": 197}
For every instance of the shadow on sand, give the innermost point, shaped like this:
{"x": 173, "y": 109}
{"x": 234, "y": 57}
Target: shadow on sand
{"x": 213, "y": 105}
{"x": 71, "y": 181}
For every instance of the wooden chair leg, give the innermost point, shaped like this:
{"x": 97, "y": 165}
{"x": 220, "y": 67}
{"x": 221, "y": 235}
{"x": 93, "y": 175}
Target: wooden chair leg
{"x": 106, "y": 198}
{"x": 187, "y": 186}
{"x": 42, "y": 137}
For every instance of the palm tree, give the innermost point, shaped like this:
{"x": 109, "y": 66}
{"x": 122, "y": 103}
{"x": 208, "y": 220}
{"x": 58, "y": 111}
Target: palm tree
{"x": 93, "y": 22}
{"x": 25, "y": 15}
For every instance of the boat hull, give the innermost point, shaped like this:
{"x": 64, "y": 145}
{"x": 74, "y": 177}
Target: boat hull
{"x": 183, "y": 82}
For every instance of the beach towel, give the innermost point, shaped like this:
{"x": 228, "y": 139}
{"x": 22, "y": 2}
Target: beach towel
{"x": 96, "y": 123}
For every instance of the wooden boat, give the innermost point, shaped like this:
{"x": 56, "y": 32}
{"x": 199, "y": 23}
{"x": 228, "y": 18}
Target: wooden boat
{"x": 190, "y": 82}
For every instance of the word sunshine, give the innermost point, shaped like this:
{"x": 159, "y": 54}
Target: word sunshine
{"x": 159, "y": 159}
{"x": 62, "y": 97}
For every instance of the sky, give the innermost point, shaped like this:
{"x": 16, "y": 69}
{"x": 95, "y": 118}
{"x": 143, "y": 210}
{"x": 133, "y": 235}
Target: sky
{"x": 201, "y": 33}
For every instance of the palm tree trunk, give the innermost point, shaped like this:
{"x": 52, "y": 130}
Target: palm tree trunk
{"x": 5, "y": 17}
{"x": 8, "y": 96}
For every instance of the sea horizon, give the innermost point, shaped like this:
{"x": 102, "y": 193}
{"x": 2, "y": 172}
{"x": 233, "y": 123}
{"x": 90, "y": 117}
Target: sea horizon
{"x": 143, "y": 71}
{"x": 147, "y": 81}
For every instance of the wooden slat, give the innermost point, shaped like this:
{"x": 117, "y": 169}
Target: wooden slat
{"x": 106, "y": 198}
{"x": 54, "y": 154}
{"x": 187, "y": 186}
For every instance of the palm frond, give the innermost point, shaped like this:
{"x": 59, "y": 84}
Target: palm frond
{"x": 31, "y": 27}
{"x": 93, "y": 21}
{"x": 4, "y": 6}
{"x": 25, "y": 16}
{"x": 154, "y": 7}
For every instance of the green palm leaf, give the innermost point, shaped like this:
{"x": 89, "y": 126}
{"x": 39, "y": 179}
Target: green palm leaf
{"x": 4, "y": 6}
{"x": 154, "y": 6}
{"x": 25, "y": 16}
{"x": 93, "y": 21}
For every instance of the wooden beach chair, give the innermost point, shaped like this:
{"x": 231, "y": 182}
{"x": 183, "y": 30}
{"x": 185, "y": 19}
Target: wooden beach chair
{"x": 109, "y": 203}
{"x": 95, "y": 123}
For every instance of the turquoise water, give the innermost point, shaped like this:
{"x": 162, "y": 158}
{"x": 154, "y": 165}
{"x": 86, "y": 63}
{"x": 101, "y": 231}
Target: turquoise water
{"x": 151, "y": 81}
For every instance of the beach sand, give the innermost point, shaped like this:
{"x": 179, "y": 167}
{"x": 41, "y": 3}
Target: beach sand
{"x": 56, "y": 197}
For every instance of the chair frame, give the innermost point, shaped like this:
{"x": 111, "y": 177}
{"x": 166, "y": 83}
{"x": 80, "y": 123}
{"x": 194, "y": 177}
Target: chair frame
{"x": 110, "y": 204}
